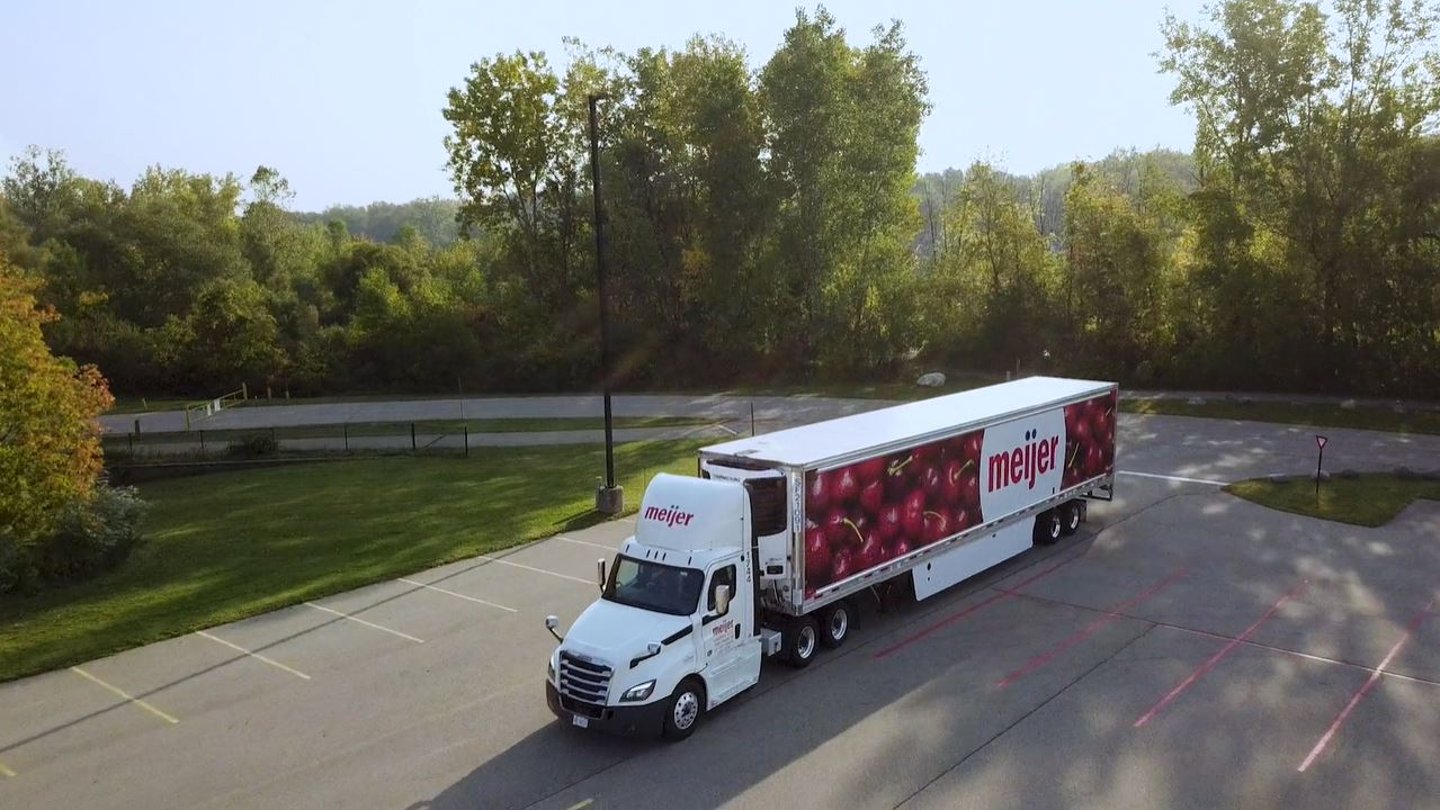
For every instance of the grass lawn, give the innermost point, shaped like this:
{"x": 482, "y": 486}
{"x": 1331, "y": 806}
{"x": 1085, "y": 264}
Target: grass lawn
{"x": 1292, "y": 414}
{"x": 225, "y": 546}
{"x": 1370, "y": 500}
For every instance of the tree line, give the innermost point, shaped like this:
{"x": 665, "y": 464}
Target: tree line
{"x": 768, "y": 224}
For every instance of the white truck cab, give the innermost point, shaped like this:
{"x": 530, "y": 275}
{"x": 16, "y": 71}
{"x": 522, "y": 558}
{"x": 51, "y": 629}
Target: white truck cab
{"x": 674, "y": 632}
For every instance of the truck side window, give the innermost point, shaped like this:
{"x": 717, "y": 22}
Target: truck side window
{"x": 724, "y": 576}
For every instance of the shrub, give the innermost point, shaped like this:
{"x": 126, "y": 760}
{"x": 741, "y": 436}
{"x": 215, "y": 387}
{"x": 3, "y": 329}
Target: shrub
{"x": 261, "y": 444}
{"x": 93, "y": 536}
{"x": 17, "y": 572}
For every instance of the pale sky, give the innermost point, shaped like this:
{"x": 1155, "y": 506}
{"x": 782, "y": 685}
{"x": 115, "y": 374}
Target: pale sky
{"x": 344, "y": 98}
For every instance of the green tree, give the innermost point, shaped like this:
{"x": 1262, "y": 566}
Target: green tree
{"x": 50, "y": 455}
{"x": 1307, "y": 123}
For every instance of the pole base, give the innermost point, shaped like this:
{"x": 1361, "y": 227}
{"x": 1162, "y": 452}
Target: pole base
{"x": 610, "y": 500}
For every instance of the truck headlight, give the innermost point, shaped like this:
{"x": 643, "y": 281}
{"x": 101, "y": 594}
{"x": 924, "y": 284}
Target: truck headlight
{"x": 640, "y": 692}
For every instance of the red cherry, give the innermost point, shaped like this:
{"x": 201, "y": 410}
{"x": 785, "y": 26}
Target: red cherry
{"x": 937, "y": 525}
{"x": 928, "y": 452}
{"x": 847, "y": 486}
{"x": 872, "y": 496}
{"x": 835, "y": 526}
{"x": 842, "y": 563}
{"x": 860, "y": 523}
{"x": 963, "y": 520}
{"x": 970, "y": 488}
{"x": 912, "y": 515}
{"x": 888, "y": 523}
{"x": 870, "y": 470}
{"x": 817, "y": 556}
{"x": 930, "y": 480}
{"x": 817, "y": 493}
{"x": 869, "y": 554}
{"x": 973, "y": 442}
{"x": 899, "y": 548}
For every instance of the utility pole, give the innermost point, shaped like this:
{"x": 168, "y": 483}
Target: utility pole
{"x": 609, "y": 499}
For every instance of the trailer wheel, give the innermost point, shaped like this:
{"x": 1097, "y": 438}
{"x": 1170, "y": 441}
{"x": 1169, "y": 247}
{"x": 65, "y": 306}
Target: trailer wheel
{"x": 835, "y": 624}
{"x": 683, "y": 710}
{"x": 1048, "y": 527}
{"x": 1071, "y": 517}
{"x": 801, "y": 642}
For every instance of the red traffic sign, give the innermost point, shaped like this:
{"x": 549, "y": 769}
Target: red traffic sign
{"x": 1321, "y": 440}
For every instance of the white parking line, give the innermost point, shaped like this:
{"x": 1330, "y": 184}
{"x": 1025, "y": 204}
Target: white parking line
{"x": 255, "y": 655}
{"x": 584, "y": 543}
{"x": 536, "y": 570}
{"x": 457, "y": 595}
{"x": 367, "y": 624}
{"x": 728, "y": 429}
{"x": 137, "y": 701}
{"x": 1180, "y": 478}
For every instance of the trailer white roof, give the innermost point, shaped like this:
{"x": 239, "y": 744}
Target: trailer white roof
{"x": 833, "y": 439}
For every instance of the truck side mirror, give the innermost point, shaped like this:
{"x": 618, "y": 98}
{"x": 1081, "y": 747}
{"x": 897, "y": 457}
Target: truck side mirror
{"x": 722, "y": 600}
{"x": 600, "y": 571}
{"x": 551, "y": 622}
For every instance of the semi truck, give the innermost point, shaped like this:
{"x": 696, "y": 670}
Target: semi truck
{"x": 768, "y": 550}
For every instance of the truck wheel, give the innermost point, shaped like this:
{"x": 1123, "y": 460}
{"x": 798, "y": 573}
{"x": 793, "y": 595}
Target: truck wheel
{"x": 801, "y": 642}
{"x": 835, "y": 624}
{"x": 1048, "y": 527}
{"x": 682, "y": 712}
{"x": 1071, "y": 515}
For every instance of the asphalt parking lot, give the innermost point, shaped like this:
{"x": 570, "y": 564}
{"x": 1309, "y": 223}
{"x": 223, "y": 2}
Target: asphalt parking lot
{"x": 1185, "y": 649}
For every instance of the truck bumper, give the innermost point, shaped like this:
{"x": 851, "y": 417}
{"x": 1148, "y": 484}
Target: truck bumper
{"x": 640, "y": 719}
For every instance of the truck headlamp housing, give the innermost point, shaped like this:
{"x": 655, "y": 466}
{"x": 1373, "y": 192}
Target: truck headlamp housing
{"x": 640, "y": 692}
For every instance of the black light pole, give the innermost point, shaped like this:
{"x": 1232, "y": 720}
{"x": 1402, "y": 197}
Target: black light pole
{"x": 611, "y": 498}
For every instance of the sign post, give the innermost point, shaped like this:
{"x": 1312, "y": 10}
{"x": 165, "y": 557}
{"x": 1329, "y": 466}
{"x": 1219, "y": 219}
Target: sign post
{"x": 1320, "y": 442}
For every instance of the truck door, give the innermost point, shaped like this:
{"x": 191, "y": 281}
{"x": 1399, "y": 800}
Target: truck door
{"x": 732, "y": 655}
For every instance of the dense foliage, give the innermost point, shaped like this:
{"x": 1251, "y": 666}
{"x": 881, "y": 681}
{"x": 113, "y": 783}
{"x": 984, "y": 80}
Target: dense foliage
{"x": 58, "y": 520}
{"x": 769, "y": 223}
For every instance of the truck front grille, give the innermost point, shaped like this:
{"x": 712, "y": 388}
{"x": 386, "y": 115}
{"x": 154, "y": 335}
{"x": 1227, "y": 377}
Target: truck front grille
{"x": 583, "y": 680}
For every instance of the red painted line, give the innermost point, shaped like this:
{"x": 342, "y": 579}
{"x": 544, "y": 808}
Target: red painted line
{"x": 1374, "y": 677}
{"x": 1080, "y": 635}
{"x": 1005, "y": 594}
{"x": 1215, "y": 659}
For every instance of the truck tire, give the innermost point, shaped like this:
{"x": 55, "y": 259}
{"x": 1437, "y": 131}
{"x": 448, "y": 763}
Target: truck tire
{"x": 835, "y": 623}
{"x": 801, "y": 642}
{"x": 683, "y": 710}
{"x": 1048, "y": 527}
{"x": 1070, "y": 515}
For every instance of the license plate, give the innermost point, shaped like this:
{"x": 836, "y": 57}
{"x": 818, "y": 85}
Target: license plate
{"x": 580, "y": 720}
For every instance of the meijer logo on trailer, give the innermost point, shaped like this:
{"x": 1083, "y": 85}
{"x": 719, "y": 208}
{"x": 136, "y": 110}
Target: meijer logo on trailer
{"x": 1025, "y": 463}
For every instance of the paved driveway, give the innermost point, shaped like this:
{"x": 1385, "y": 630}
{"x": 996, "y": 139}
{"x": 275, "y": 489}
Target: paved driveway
{"x": 1186, "y": 649}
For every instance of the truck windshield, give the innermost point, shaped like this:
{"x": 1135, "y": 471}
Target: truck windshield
{"x": 652, "y": 586}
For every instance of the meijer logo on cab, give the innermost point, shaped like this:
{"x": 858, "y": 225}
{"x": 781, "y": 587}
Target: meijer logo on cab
{"x": 1021, "y": 462}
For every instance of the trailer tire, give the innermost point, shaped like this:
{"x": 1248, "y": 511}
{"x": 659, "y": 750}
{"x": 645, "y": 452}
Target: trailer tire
{"x": 684, "y": 710}
{"x": 835, "y": 621}
{"x": 1071, "y": 517}
{"x": 801, "y": 642}
{"x": 1048, "y": 527}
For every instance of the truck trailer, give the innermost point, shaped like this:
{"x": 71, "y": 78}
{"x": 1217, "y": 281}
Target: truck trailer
{"x": 767, "y": 549}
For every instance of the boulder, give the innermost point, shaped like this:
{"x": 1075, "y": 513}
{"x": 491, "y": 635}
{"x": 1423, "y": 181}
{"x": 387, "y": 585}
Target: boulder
{"x": 933, "y": 379}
